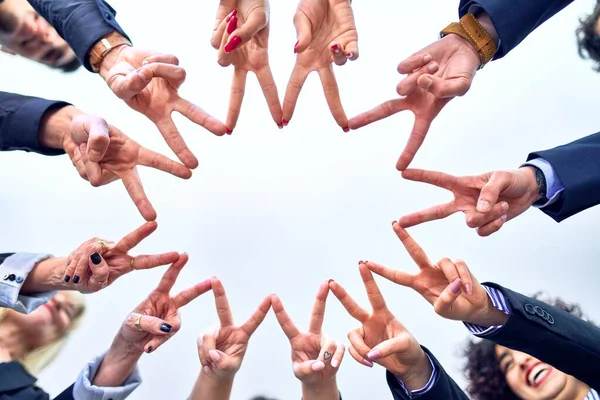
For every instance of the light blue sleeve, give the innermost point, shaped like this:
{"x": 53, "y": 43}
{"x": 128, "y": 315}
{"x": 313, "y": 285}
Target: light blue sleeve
{"x": 554, "y": 186}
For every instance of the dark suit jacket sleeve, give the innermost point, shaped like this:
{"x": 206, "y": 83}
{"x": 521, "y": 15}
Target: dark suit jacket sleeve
{"x": 564, "y": 341}
{"x": 514, "y": 20}
{"x": 577, "y": 164}
{"x": 443, "y": 388}
{"x": 20, "y": 119}
{"x": 81, "y": 23}
{"x": 66, "y": 395}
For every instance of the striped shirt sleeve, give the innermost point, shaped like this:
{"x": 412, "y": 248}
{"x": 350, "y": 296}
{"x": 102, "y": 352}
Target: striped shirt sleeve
{"x": 500, "y": 303}
{"x": 416, "y": 393}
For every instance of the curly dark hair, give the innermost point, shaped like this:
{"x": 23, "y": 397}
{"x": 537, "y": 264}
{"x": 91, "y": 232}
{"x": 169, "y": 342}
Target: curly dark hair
{"x": 486, "y": 380}
{"x": 588, "y": 39}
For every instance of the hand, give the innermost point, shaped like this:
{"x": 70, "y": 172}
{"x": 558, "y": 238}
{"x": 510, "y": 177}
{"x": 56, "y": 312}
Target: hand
{"x": 437, "y": 74}
{"x": 96, "y": 264}
{"x": 326, "y": 34}
{"x": 241, "y": 35}
{"x": 149, "y": 82}
{"x": 221, "y": 352}
{"x": 158, "y": 316}
{"x": 315, "y": 357}
{"x": 102, "y": 153}
{"x": 440, "y": 284}
{"x": 382, "y": 338}
{"x": 487, "y": 200}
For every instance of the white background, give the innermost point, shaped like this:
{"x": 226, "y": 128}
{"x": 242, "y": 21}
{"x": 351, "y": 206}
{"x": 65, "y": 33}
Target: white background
{"x": 281, "y": 211}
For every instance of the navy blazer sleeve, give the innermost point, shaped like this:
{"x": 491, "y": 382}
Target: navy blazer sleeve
{"x": 81, "y": 23}
{"x": 20, "y": 119}
{"x": 556, "y": 337}
{"x": 514, "y": 20}
{"x": 577, "y": 164}
{"x": 443, "y": 388}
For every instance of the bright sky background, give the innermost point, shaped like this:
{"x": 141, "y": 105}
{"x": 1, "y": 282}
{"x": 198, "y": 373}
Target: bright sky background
{"x": 281, "y": 211}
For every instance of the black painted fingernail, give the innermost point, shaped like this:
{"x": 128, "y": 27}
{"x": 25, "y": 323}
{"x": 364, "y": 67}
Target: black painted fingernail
{"x": 150, "y": 349}
{"x": 67, "y": 278}
{"x": 166, "y": 328}
{"x": 96, "y": 259}
{"x": 76, "y": 279}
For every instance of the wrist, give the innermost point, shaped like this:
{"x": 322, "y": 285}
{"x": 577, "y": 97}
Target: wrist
{"x": 489, "y": 316}
{"x": 325, "y": 390}
{"x": 534, "y": 184}
{"x": 118, "y": 363}
{"x": 55, "y": 127}
{"x": 418, "y": 374}
{"x": 110, "y": 59}
{"x": 486, "y": 22}
{"x": 47, "y": 275}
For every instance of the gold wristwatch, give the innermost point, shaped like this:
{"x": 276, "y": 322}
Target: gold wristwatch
{"x": 471, "y": 30}
{"x": 102, "y": 47}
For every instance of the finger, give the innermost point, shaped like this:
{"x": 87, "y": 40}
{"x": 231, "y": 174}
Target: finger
{"x": 200, "y": 117}
{"x": 174, "y": 74}
{"x": 318, "y": 312}
{"x": 414, "y": 62}
{"x": 445, "y": 87}
{"x": 152, "y": 261}
{"x": 175, "y": 141}
{"x": 126, "y": 83}
{"x": 351, "y": 50}
{"x": 257, "y": 317}
{"x": 73, "y": 264}
{"x": 338, "y": 355}
{"x": 476, "y": 219}
{"x": 398, "y": 344}
{"x": 149, "y": 323}
{"x": 412, "y": 247}
{"x": 221, "y": 303}
{"x": 358, "y": 346}
{"x": 439, "y": 179}
{"x": 161, "y": 58}
{"x": 332, "y": 95}
{"x": 348, "y": 302}
{"x": 359, "y": 358}
{"x": 236, "y": 97}
{"x": 209, "y": 342}
{"x": 338, "y": 54}
{"x": 255, "y": 22}
{"x": 399, "y": 277}
{"x": 99, "y": 268}
{"x": 286, "y": 323}
{"x": 449, "y": 269}
{"x": 305, "y": 369}
{"x": 222, "y": 362}
{"x": 215, "y": 40}
{"x": 78, "y": 163}
{"x": 158, "y": 341}
{"x": 303, "y": 31}
{"x": 292, "y": 92}
{"x": 269, "y": 88}
{"x": 373, "y": 293}
{"x": 158, "y": 161}
{"x": 83, "y": 263}
{"x": 328, "y": 348}
{"x": 380, "y": 112}
{"x": 415, "y": 141}
{"x": 464, "y": 275}
{"x": 443, "y": 304}
{"x": 409, "y": 84}
{"x": 170, "y": 276}
{"x": 492, "y": 227}
{"x": 92, "y": 169}
{"x": 499, "y": 182}
{"x": 429, "y": 214}
{"x": 134, "y": 187}
{"x": 134, "y": 238}
{"x": 98, "y": 141}
{"x": 188, "y": 295}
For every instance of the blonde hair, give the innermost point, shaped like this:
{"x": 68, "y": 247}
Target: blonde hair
{"x": 38, "y": 359}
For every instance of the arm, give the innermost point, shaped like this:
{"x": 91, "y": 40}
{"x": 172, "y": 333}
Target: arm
{"x": 513, "y": 20}
{"x": 213, "y": 387}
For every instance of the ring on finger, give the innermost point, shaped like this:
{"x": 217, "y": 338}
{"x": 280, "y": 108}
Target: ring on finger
{"x": 132, "y": 264}
{"x": 138, "y": 321}
{"x": 102, "y": 244}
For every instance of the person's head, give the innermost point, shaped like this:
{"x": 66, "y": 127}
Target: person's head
{"x": 588, "y": 36}
{"x": 498, "y": 373}
{"x": 24, "y": 32}
{"x": 47, "y": 328}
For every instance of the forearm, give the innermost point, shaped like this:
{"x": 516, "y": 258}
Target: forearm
{"x": 55, "y": 126}
{"x": 211, "y": 388}
{"x": 324, "y": 391}
{"x": 118, "y": 364}
{"x": 418, "y": 376}
{"x": 47, "y": 275}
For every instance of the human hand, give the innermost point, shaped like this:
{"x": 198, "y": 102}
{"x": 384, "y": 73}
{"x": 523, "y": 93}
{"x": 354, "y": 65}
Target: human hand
{"x": 315, "y": 357}
{"x": 326, "y": 33}
{"x": 156, "y": 319}
{"x": 436, "y": 74}
{"x": 241, "y": 35}
{"x": 102, "y": 153}
{"x": 442, "y": 285}
{"x": 382, "y": 338}
{"x": 96, "y": 264}
{"x": 222, "y": 351}
{"x": 148, "y": 82}
{"x": 487, "y": 200}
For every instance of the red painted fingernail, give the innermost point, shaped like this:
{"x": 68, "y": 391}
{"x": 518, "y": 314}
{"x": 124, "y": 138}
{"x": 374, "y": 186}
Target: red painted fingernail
{"x": 233, "y": 44}
{"x": 346, "y": 129}
{"x": 394, "y": 222}
{"x": 232, "y": 25}
{"x": 285, "y": 122}
{"x": 335, "y": 48}
{"x": 231, "y": 14}
{"x": 296, "y": 47}
{"x": 229, "y": 131}
{"x": 280, "y": 126}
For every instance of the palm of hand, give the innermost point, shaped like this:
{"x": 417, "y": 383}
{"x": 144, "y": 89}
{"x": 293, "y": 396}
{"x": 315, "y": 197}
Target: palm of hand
{"x": 232, "y": 341}
{"x": 119, "y": 264}
{"x": 122, "y": 154}
{"x": 254, "y": 55}
{"x": 306, "y": 347}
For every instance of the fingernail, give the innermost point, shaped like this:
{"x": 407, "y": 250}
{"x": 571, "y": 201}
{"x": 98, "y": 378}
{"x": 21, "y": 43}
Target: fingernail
{"x": 231, "y": 14}
{"x": 285, "y": 122}
{"x": 504, "y": 207}
{"x": 427, "y": 58}
{"x": 368, "y": 363}
{"x": 346, "y": 129}
{"x": 207, "y": 370}
{"x": 96, "y": 259}
{"x": 426, "y": 82}
{"x": 349, "y": 55}
{"x": 232, "y": 25}
{"x": 166, "y": 328}
{"x": 150, "y": 349}
{"x": 229, "y": 131}
{"x": 330, "y": 281}
{"x": 76, "y": 279}
{"x": 433, "y": 67}
{"x": 280, "y": 125}
{"x": 216, "y": 357}
{"x": 468, "y": 289}
{"x": 335, "y": 362}
{"x": 335, "y": 48}
{"x": 360, "y": 262}
{"x": 394, "y": 222}
{"x": 455, "y": 286}
{"x": 483, "y": 206}
{"x": 296, "y": 47}
{"x": 318, "y": 366}
{"x": 67, "y": 278}
{"x": 504, "y": 218}
{"x": 374, "y": 354}
{"x": 233, "y": 44}
{"x": 144, "y": 62}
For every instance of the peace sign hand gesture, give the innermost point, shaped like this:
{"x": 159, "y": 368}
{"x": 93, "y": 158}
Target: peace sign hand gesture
{"x": 221, "y": 352}
{"x": 449, "y": 286}
{"x": 382, "y": 338}
{"x": 326, "y": 34}
{"x": 315, "y": 357}
{"x": 156, "y": 319}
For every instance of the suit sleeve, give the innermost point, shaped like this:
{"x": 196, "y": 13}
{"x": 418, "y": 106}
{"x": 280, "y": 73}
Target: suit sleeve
{"x": 577, "y": 164}
{"x": 66, "y": 395}
{"x": 554, "y": 336}
{"x": 20, "y": 121}
{"x": 81, "y": 23}
{"x": 443, "y": 387}
{"x": 514, "y": 20}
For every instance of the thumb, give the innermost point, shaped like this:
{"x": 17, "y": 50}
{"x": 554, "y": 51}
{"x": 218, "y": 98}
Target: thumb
{"x": 100, "y": 269}
{"x": 303, "y": 30}
{"x": 84, "y": 126}
{"x": 443, "y": 304}
{"x": 222, "y": 361}
{"x": 444, "y": 88}
{"x": 499, "y": 181}
{"x": 307, "y": 368}
{"x": 99, "y": 139}
{"x": 398, "y": 344}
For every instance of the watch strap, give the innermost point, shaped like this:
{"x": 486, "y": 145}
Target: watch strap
{"x": 540, "y": 178}
{"x": 471, "y": 30}
{"x": 102, "y": 47}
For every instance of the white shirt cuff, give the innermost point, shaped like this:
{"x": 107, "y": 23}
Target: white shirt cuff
{"x": 500, "y": 303}
{"x": 13, "y": 272}
{"x": 554, "y": 186}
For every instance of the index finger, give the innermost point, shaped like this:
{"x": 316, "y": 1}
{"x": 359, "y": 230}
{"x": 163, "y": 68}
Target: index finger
{"x": 318, "y": 311}
{"x": 198, "y": 116}
{"x": 170, "y": 276}
{"x": 236, "y": 97}
{"x": 382, "y": 111}
{"x": 221, "y": 303}
{"x": 152, "y": 159}
{"x": 292, "y": 92}
{"x": 429, "y": 214}
{"x": 415, "y": 141}
{"x": 373, "y": 293}
{"x": 414, "y": 250}
{"x": 286, "y": 323}
{"x": 134, "y": 187}
{"x": 175, "y": 141}
{"x": 332, "y": 95}
{"x": 358, "y": 313}
{"x": 439, "y": 179}
{"x": 269, "y": 88}
{"x": 186, "y": 296}
{"x": 134, "y": 238}
{"x": 258, "y": 317}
